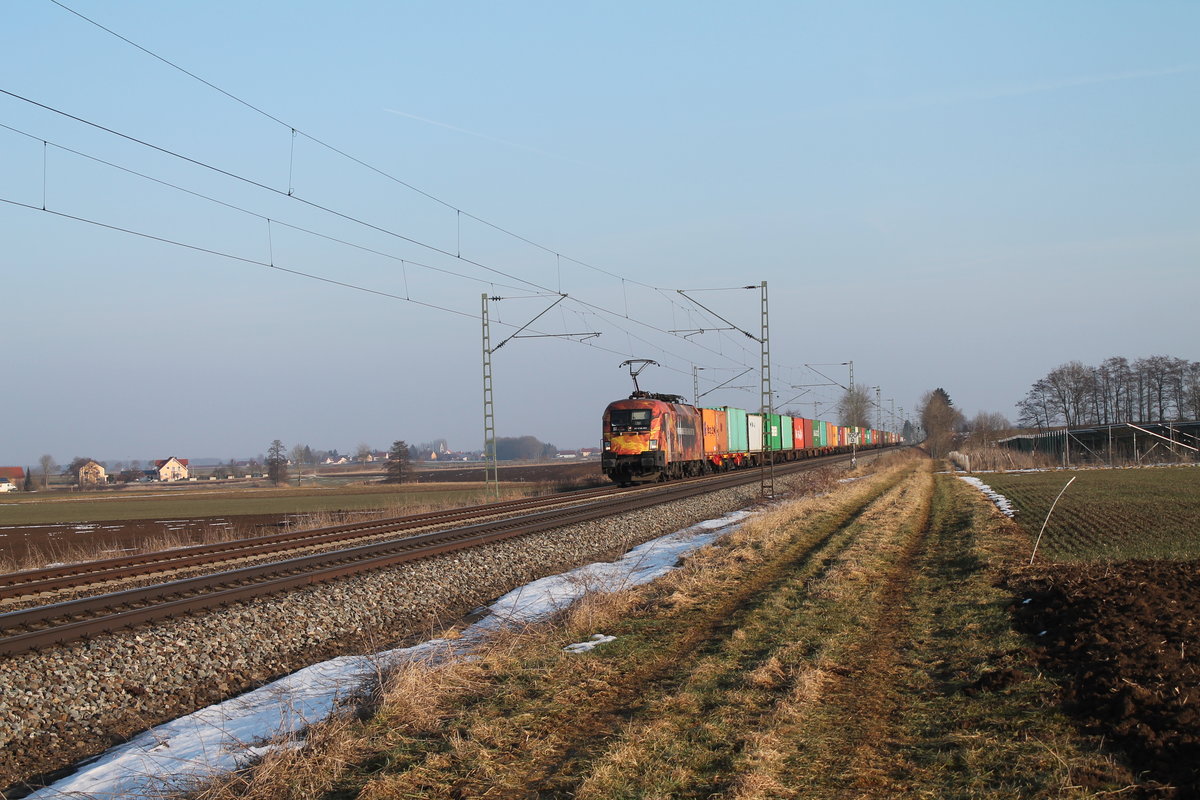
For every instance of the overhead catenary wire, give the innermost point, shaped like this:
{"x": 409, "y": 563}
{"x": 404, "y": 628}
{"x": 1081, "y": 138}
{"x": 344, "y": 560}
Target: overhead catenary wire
{"x": 317, "y": 206}
{"x": 240, "y": 209}
{"x": 295, "y": 131}
{"x": 339, "y": 151}
{"x": 598, "y": 309}
{"x": 290, "y": 193}
{"x": 231, "y": 256}
{"x": 267, "y": 188}
{"x": 267, "y": 265}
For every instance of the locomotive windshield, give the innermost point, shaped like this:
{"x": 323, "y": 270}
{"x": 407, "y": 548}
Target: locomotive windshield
{"x": 625, "y": 420}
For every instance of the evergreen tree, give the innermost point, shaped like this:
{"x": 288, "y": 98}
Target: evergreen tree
{"x": 397, "y": 463}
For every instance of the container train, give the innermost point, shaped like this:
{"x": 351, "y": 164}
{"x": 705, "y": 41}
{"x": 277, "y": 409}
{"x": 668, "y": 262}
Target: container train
{"x": 655, "y": 437}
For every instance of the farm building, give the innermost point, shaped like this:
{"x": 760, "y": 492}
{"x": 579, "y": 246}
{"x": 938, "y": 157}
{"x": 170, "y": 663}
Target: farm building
{"x": 12, "y": 479}
{"x": 1126, "y": 442}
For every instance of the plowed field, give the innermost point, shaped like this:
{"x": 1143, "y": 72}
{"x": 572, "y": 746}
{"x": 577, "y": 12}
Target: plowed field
{"x": 1111, "y": 608}
{"x": 1124, "y": 640}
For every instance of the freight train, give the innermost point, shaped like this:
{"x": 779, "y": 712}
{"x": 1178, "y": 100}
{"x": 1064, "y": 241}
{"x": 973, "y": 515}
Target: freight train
{"x": 656, "y": 437}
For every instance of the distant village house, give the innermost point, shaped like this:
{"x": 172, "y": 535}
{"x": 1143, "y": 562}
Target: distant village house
{"x": 172, "y": 469}
{"x": 92, "y": 474}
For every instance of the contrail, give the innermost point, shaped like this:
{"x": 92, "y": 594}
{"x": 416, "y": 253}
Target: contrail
{"x": 486, "y": 136}
{"x": 1068, "y": 83}
{"x": 996, "y": 92}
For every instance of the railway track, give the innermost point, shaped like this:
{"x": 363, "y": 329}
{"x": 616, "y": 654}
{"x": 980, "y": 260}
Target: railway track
{"x": 39, "y": 583}
{"x": 44, "y": 626}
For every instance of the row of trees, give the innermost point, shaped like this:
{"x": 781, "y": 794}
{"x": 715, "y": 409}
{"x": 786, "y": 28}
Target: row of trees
{"x": 277, "y": 461}
{"x": 945, "y": 425}
{"x": 523, "y": 448}
{"x": 1153, "y": 389}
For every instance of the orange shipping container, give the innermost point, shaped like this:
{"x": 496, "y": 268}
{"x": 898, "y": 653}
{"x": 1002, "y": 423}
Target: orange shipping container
{"x": 716, "y": 431}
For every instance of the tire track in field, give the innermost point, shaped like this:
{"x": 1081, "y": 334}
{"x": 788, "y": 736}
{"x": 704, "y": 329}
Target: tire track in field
{"x": 699, "y": 730}
{"x": 569, "y": 719}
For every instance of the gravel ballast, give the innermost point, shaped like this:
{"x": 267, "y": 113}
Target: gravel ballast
{"x": 76, "y": 700}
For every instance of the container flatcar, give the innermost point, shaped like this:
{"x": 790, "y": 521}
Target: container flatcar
{"x": 655, "y": 437}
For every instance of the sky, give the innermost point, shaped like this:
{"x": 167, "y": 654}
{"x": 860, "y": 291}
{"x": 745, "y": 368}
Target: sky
{"x": 227, "y": 223}
{"x": 223, "y": 737}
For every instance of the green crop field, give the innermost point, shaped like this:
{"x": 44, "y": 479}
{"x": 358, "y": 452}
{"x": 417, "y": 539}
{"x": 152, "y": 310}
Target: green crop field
{"x": 55, "y": 507}
{"x": 1108, "y": 515}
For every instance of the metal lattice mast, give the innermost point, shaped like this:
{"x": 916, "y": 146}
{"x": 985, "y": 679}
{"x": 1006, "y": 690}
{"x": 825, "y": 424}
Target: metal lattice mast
{"x": 878, "y": 409}
{"x": 491, "y": 469}
{"x": 857, "y": 433}
{"x": 489, "y": 417}
{"x": 767, "y": 480}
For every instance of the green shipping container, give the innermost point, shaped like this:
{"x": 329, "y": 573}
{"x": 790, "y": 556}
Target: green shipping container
{"x": 736, "y": 422}
{"x": 818, "y": 433}
{"x": 774, "y": 433}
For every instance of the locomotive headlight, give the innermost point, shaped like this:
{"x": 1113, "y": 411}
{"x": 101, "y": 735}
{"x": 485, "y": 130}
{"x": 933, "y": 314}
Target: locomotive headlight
{"x": 654, "y": 444}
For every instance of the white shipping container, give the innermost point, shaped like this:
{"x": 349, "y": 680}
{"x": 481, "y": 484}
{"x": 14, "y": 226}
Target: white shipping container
{"x": 754, "y": 427}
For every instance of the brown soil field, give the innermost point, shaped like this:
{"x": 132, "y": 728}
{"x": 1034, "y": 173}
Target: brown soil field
{"x": 1123, "y": 640}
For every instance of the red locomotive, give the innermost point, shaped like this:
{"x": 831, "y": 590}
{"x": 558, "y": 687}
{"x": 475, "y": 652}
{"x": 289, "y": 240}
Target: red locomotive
{"x": 651, "y": 437}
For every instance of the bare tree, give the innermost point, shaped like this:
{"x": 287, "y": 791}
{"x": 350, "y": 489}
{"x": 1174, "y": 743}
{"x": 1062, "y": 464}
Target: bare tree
{"x": 48, "y": 466}
{"x": 1157, "y": 388}
{"x": 1192, "y": 391}
{"x": 362, "y": 452}
{"x": 986, "y": 427}
{"x": 301, "y": 456}
{"x": 1070, "y": 387}
{"x": 855, "y": 407}
{"x": 277, "y": 469}
{"x": 1035, "y": 409}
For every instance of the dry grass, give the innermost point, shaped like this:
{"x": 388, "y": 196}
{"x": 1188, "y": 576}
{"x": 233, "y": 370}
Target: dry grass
{"x": 814, "y": 652}
{"x": 76, "y": 552}
{"x": 300, "y": 769}
{"x": 1000, "y": 459}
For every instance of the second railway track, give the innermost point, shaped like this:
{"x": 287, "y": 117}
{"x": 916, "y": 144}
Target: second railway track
{"x": 21, "y": 586}
{"x": 58, "y": 623}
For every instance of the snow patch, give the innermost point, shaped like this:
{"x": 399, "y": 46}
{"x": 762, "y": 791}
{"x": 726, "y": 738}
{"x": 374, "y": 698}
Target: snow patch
{"x": 590, "y": 644}
{"x": 1003, "y": 503}
{"x": 186, "y": 752}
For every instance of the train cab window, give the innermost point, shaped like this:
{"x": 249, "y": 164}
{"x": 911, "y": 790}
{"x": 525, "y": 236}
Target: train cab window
{"x": 626, "y": 420}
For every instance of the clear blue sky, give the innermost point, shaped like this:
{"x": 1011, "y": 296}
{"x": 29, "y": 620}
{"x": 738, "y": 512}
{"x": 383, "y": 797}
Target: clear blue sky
{"x": 962, "y": 195}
